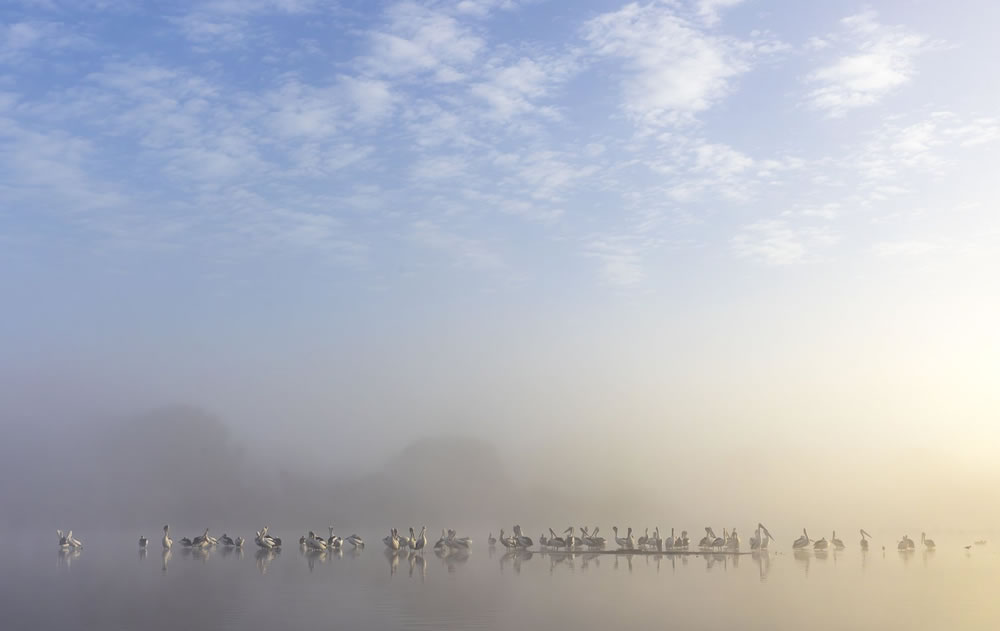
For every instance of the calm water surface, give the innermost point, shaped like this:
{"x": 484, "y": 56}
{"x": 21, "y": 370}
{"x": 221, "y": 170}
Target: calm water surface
{"x": 110, "y": 584}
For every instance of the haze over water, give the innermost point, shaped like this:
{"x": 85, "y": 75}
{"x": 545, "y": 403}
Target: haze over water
{"x": 111, "y": 585}
{"x": 466, "y": 263}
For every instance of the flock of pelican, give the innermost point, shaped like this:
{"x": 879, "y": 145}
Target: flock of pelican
{"x": 450, "y": 541}
{"x": 903, "y": 545}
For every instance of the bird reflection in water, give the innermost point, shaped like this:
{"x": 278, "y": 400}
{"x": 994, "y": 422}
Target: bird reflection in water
{"x": 165, "y": 557}
{"x": 264, "y": 557}
{"x": 452, "y": 557}
{"x": 803, "y": 557}
{"x": 393, "y": 557}
{"x": 763, "y": 561}
{"x": 66, "y": 556}
{"x": 515, "y": 558}
{"x": 418, "y": 564}
{"x": 586, "y": 560}
{"x": 313, "y": 557}
{"x": 142, "y": 553}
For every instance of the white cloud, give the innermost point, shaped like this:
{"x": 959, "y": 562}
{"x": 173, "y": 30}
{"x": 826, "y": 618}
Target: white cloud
{"x": 708, "y": 10}
{"x": 673, "y": 69}
{"x": 775, "y": 242}
{"x": 418, "y": 41}
{"x": 464, "y": 252}
{"x": 620, "y": 260}
{"x": 879, "y": 61}
{"x": 890, "y": 249}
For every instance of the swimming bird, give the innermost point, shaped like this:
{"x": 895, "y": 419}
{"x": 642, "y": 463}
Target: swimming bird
{"x": 929, "y": 543}
{"x": 491, "y": 540}
{"x": 507, "y": 542}
{"x": 356, "y": 541}
{"x": 864, "y": 539}
{"x": 802, "y": 541}
{"x": 822, "y": 544}
{"x": 239, "y": 542}
{"x": 315, "y": 543}
{"x": 523, "y": 541}
{"x": 391, "y": 541}
{"x": 73, "y": 541}
{"x": 63, "y": 540}
{"x": 167, "y": 541}
{"x": 333, "y": 540}
{"x": 143, "y": 541}
{"x": 185, "y": 542}
{"x": 226, "y": 540}
{"x": 421, "y": 542}
{"x": 623, "y": 542}
{"x": 837, "y": 543}
{"x": 905, "y": 543}
{"x": 201, "y": 541}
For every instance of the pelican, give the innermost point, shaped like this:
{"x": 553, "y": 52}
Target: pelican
{"x": 522, "y": 540}
{"x": 822, "y": 544}
{"x": 929, "y": 543}
{"x": 315, "y": 543}
{"x": 411, "y": 542}
{"x": 734, "y": 541}
{"x": 455, "y": 541}
{"x": 903, "y": 543}
{"x": 643, "y": 539}
{"x": 556, "y": 541}
{"x": 239, "y": 542}
{"x": 356, "y": 541}
{"x": 542, "y": 541}
{"x": 508, "y": 542}
{"x": 202, "y": 540}
{"x": 421, "y": 541}
{"x": 802, "y": 541}
{"x": 63, "y": 540}
{"x": 623, "y": 542}
{"x": 185, "y": 542}
{"x": 720, "y": 542}
{"x": 73, "y": 541}
{"x": 685, "y": 541}
{"x": 837, "y": 543}
{"x": 864, "y": 539}
{"x": 598, "y": 542}
{"x": 767, "y": 535}
{"x": 572, "y": 541}
{"x": 143, "y": 541}
{"x": 709, "y": 539}
{"x": 391, "y": 541}
{"x": 669, "y": 543}
{"x": 167, "y": 541}
{"x": 493, "y": 540}
{"x": 655, "y": 541}
{"x": 333, "y": 540}
{"x": 226, "y": 540}
{"x": 442, "y": 541}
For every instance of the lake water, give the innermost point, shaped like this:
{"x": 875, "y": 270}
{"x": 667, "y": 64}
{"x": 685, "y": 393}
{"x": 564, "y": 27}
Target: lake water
{"x": 110, "y": 584}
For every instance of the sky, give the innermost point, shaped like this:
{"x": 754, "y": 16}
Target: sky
{"x": 674, "y": 238}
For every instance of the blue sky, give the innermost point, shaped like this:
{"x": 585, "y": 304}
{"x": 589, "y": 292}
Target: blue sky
{"x": 516, "y": 187}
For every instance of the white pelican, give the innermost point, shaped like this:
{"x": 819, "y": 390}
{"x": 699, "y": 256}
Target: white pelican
{"x": 411, "y": 542}
{"x": 572, "y": 541}
{"x": 643, "y": 539}
{"x": 802, "y": 541}
{"x": 822, "y": 544}
{"x": 669, "y": 543}
{"x": 508, "y": 542}
{"x": 734, "y": 541}
{"x": 720, "y": 542}
{"x": 143, "y": 541}
{"x": 767, "y": 535}
{"x": 522, "y": 540}
{"x": 391, "y": 541}
{"x": 709, "y": 539}
{"x": 556, "y": 541}
{"x": 837, "y": 543}
{"x": 356, "y": 541}
{"x": 864, "y": 539}
{"x": 313, "y": 542}
{"x": 421, "y": 542}
{"x": 201, "y": 541}
{"x": 226, "y": 540}
{"x": 239, "y": 542}
{"x": 626, "y": 543}
{"x": 333, "y": 541}
{"x": 598, "y": 542}
{"x": 73, "y": 541}
{"x": 684, "y": 541}
{"x": 167, "y": 541}
{"x": 63, "y": 540}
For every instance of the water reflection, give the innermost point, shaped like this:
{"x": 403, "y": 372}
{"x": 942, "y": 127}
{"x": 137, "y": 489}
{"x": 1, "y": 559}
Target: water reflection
{"x": 802, "y": 557}
{"x": 165, "y": 557}
{"x": 515, "y": 558}
{"x": 417, "y": 564}
{"x": 315, "y": 556}
{"x": 452, "y": 558}
{"x": 763, "y": 561}
{"x": 264, "y": 557}
{"x": 142, "y": 553}
{"x": 66, "y": 556}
